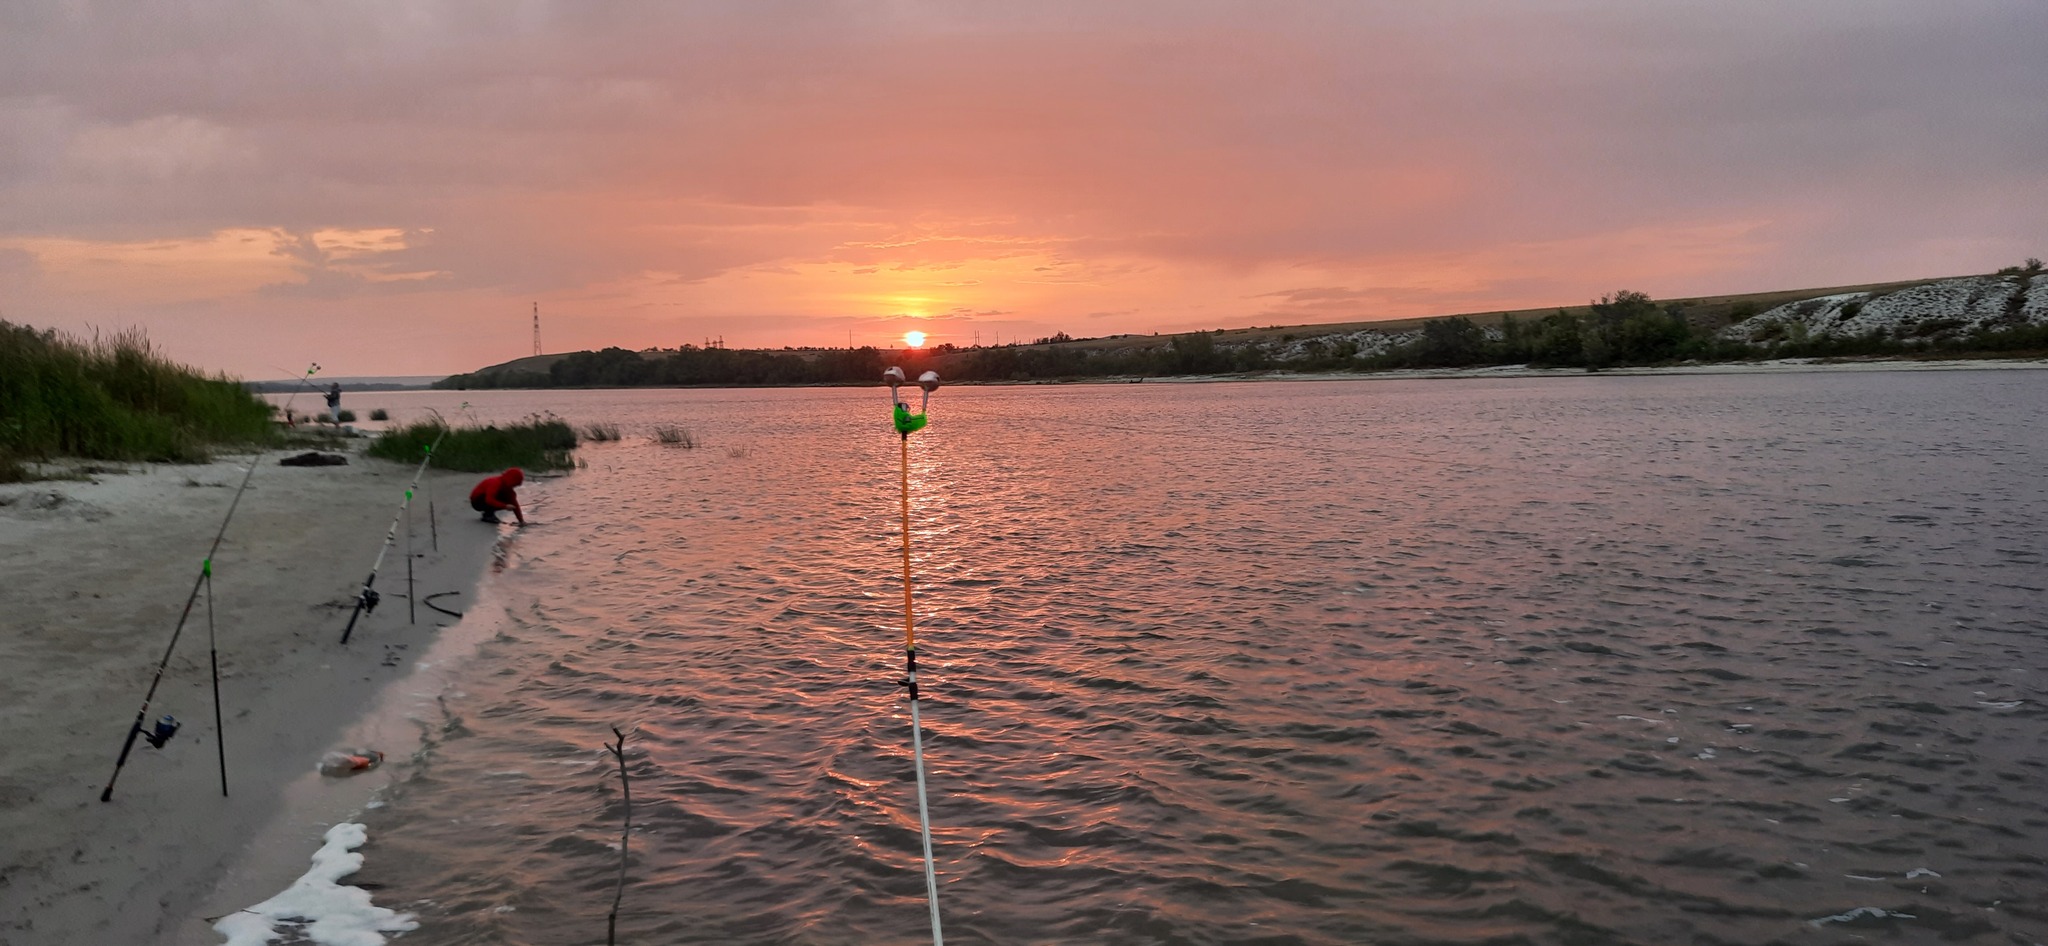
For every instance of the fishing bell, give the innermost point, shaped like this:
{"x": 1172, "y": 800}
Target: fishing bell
{"x": 907, "y": 423}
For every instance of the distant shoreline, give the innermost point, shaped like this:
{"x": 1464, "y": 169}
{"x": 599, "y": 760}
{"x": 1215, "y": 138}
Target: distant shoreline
{"x": 1771, "y": 366}
{"x": 286, "y": 387}
{"x": 1768, "y": 366}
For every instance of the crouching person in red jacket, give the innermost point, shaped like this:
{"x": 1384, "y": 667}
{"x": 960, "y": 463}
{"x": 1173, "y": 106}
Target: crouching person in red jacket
{"x": 498, "y": 492}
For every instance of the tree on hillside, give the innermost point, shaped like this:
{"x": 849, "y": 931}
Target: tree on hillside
{"x": 1515, "y": 341}
{"x": 1451, "y": 343}
{"x": 1195, "y": 353}
{"x": 1558, "y": 341}
{"x": 612, "y": 367}
{"x": 1628, "y": 327}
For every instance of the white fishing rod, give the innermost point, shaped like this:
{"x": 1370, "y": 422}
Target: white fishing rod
{"x": 366, "y": 599}
{"x": 167, "y": 727}
{"x": 906, "y": 424}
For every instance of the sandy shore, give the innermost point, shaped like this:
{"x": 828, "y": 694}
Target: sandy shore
{"x": 96, "y": 577}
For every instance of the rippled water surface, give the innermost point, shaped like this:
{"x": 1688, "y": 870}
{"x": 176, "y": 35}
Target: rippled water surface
{"x": 1729, "y": 659}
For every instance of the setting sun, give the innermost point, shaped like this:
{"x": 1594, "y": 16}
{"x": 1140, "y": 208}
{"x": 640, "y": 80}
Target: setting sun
{"x": 913, "y": 339}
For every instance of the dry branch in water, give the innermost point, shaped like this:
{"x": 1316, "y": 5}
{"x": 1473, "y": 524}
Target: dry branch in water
{"x": 611, "y": 922}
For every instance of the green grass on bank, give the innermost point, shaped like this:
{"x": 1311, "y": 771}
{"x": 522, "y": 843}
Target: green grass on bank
{"x": 114, "y": 397}
{"x": 538, "y": 443}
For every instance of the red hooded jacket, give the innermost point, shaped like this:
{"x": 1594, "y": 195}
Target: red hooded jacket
{"x": 498, "y": 492}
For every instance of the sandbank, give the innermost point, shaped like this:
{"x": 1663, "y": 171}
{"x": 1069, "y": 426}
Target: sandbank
{"x": 96, "y": 577}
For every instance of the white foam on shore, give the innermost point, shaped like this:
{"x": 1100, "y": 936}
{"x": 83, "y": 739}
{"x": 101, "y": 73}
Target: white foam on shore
{"x": 1875, "y": 913}
{"x": 316, "y": 907}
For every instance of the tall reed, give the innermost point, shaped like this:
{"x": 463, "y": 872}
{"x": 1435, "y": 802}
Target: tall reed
{"x": 675, "y": 435}
{"x": 115, "y": 397}
{"x": 537, "y": 443}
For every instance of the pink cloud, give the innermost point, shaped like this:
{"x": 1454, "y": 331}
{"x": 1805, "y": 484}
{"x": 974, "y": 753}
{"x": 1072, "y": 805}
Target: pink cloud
{"x": 774, "y": 173}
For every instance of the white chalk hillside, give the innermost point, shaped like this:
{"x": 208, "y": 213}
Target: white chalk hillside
{"x": 1362, "y": 344}
{"x": 1950, "y": 308}
{"x": 1930, "y": 312}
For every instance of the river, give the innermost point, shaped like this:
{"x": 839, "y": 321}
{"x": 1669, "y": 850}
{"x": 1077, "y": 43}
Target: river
{"x": 1715, "y": 659}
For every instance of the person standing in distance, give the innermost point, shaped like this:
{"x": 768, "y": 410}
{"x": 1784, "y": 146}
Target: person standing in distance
{"x": 334, "y": 402}
{"x": 498, "y": 492}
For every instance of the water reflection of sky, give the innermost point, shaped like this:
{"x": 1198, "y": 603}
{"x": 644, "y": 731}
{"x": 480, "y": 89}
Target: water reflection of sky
{"x": 1567, "y": 659}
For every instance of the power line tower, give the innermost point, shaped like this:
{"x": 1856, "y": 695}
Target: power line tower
{"x": 536, "y": 328}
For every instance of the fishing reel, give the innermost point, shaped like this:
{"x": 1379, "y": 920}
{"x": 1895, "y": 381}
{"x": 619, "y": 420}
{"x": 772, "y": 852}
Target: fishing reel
{"x": 369, "y": 598}
{"x": 166, "y": 728}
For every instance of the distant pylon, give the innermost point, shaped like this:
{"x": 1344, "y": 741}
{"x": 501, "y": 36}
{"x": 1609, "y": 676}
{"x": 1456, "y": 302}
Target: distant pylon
{"x": 536, "y": 328}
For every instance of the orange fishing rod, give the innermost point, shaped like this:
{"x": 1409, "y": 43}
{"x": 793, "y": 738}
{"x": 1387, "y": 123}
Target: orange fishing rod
{"x": 906, "y": 424}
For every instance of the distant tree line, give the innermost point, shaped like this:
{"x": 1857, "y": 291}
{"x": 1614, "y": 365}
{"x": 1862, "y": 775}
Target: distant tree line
{"x": 1626, "y": 328}
{"x": 617, "y": 367}
{"x": 1194, "y": 353}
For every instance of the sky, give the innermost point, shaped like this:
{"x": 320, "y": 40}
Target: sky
{"x": 389, "y": 188}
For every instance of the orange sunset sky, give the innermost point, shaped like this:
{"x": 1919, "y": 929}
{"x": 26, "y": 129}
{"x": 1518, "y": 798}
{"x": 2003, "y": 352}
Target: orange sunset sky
{"x": 387, "y": 188}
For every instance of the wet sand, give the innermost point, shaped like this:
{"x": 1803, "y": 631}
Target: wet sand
{"x": 97, "y": 575}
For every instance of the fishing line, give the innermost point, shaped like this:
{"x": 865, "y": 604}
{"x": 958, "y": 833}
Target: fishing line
{"x": 906, "y": 424}
{"x": 366, "y": 599}
{"x": 168, "y": 727}
{"x": 1690, "y": 488}
{"x": 1271, "y": 444}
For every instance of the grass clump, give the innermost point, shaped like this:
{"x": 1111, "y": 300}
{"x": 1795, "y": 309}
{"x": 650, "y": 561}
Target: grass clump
{"x": 380, "y": 414}
{"x": 345, "y": 417}
{"x": 537, "y": 443}
{"x": 115, "y": 397}
{"x": 675, "y": 435}
{"x": 601, "y": 432}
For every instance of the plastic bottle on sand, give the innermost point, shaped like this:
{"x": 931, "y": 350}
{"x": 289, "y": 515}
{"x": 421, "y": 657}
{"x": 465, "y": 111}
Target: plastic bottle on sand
{"x": 350, "y": 761}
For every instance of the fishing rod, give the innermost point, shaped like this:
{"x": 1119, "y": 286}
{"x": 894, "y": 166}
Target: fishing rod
{"x": 167, "y": 727}
{"x": 366, "y": 599}
{"x": 412, "y": 606}
{"x": 906, "y": 424}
